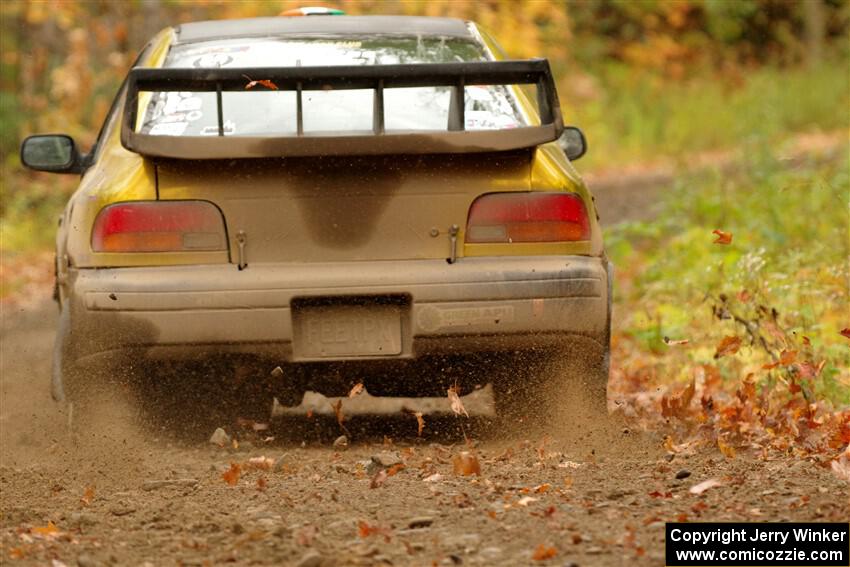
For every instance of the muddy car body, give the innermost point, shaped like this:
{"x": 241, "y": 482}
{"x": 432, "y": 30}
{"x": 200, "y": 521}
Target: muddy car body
{"x": 347, "y": 198}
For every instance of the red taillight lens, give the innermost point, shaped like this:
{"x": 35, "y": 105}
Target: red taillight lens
{"x": 159, "y": 226}
{"x": 527, "y": 217}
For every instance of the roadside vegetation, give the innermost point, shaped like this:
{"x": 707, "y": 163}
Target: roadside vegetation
{"x": 732, "y": 311}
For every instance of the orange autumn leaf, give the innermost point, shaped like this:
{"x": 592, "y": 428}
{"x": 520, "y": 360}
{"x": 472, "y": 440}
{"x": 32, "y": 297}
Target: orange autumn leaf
{"x": 357, "y": 389}
{"x": 264, "y": 82}
{"x": 394, "y": 470}
{"x": 787, "y": 357}
{"x": 676, "y": 405}
{"x": 340, "y": 417}
{"x": 88, "y": 496}
{"x": 262, "y": 483}
{"x": 728, "y": 346}
{"x": 722, "y": 237}
{"x": 544, "y": 552}
{"x": 364, "y": 530}
{"x": 310, "y": 413}
{"x": 48, "y": 530}
{"x": 465, "y": 464}
{"x": 727, "y": 450}
{"x": 231, "y": 475}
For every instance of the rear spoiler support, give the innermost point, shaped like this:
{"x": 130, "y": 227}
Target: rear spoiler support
{"x": 456, "y": 139}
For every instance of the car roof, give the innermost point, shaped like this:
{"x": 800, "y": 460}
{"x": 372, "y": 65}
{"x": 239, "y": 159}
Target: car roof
{"x": 322, "y": 25}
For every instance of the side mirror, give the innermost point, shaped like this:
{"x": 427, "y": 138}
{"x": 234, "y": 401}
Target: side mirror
{"x": 573, "y": 142}
{"x": 56, "y": 153}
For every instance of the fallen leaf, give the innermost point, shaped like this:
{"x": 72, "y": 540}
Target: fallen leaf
{"x": 260, "y": 463}
{"x": 526, "y": 500}
{"x": 727, "y": 450}
{"x": 841, "y": 467}
{"x": 379, "y": 479}
{"x": 365, "y": 529}
{"x": 48, "y": 530}
{"x": 705, "y": 485}
{"x": 722, "y": 237}
{"x": 88, "y": 496}
{"x": 465, "y": 464}
{"x": 393, "y": 470}
{"x": 543, "y": 552}
{"x": 357, "y": 389}
{"x": 729, "y": 345}
{"x": 671, "y": 342}
{"x": 541, "y": 488}
{"x": 845, "y": 333}
{"x": 454, "y": 399}
{"x": 337, "y": 407}
{"x": 262, "y": 483}
{"x": 677, "y": 404}
{"x": 231, "y": 475}
{"x": 310, "y": 413}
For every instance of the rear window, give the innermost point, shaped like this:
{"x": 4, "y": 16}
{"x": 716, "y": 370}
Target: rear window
{"x": 274, "y": 112}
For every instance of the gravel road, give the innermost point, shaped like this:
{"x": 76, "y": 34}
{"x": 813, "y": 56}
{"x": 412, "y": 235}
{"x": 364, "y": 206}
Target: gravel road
{"x": 123, "y": 495}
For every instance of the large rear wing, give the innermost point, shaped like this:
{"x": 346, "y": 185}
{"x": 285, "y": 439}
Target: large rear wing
{"x": 455, "y": 139}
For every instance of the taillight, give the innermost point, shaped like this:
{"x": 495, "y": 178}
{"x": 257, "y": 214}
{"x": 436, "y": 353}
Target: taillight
{"x": 159, "y": 226}
{"x": 527, "y": 217}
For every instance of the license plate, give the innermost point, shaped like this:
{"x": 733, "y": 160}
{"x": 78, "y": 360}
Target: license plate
{"x": 347, "y": 331}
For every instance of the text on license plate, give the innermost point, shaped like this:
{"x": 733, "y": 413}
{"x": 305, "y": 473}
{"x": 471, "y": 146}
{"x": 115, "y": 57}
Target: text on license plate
{"x": 334, "y": 331}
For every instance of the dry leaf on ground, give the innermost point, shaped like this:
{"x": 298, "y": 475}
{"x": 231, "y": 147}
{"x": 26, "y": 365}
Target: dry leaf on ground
{"x": 231, "y": 475}
{"x": 261, "y": 463}
{"x": 674, "y": 342}
{"x": 49, "y": 530}
{"x": 357, "y": 389}
{"x": 465, "y": 464}
{"x": 88, "y": 496}
{"x": 544, "y": 552}
{"x": 379, "y": 479}
{"x": 705, "y": 485}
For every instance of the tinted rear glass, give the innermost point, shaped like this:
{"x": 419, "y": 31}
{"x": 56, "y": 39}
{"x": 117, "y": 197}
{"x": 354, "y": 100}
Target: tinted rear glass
{"x": 274, "y": 112}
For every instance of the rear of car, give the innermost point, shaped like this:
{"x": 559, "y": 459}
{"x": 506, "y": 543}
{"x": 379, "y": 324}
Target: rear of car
{"x": 351, "y": 199}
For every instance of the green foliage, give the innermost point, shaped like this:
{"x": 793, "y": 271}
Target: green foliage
{"x": 639, "y": 116}
{"x": 789, "y": 254}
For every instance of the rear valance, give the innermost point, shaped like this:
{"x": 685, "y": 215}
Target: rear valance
{"x": 456, "y": 139}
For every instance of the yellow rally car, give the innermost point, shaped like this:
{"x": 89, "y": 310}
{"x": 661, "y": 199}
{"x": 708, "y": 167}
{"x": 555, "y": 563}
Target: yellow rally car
{"x": 277, "y": 205}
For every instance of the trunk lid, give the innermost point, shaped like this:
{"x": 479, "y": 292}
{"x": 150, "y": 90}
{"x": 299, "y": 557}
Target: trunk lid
{"x": 331, "y": 209}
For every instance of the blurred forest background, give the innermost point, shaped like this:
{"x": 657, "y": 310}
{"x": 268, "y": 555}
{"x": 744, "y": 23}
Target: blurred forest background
{"x": 682, "y": 86}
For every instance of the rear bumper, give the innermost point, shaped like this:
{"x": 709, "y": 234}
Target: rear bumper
{"x": 476, "y": 304}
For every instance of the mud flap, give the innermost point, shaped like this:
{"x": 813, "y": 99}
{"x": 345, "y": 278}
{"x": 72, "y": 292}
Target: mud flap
{"x": 57, "y": 384}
